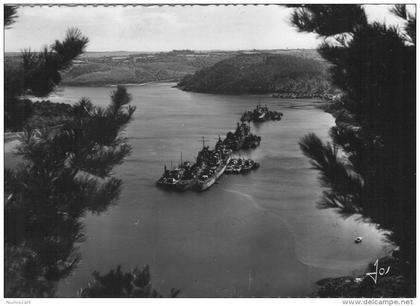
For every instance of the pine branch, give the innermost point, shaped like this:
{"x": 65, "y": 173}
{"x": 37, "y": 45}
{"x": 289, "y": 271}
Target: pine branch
{"x": 70, "y": 48}
{"x": 10, "y": 15}
{"x": 328, "y": 20}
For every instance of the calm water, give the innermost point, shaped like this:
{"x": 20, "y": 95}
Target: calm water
{"x": 258, "y": 234}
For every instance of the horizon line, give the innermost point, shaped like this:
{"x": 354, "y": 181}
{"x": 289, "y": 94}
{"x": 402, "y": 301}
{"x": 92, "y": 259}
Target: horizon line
{"x": 184, "y": 50}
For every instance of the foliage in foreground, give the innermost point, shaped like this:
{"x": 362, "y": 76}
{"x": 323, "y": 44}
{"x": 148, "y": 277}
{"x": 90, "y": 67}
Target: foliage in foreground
{"x": 117, "y": 284}
{"x": 369, "y": 168}
{"x": 67, "y": 171}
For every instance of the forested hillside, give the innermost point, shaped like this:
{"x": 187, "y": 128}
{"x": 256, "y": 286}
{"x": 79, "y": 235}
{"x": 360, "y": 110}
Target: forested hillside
{"x": 262, "y": 73}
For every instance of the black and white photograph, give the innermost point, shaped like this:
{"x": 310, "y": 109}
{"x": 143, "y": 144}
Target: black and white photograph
{"x": 209, "y": 150}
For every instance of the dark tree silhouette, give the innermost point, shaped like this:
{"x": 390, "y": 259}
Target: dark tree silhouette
{"x": 66, "y": 172}
{"x": 369, "y": 169}
{"x": 41, "y": 70}
{"x": 116, "y": 284}
{"x": 327, "y": 20}
{"x": 37, "y": 73}
{"x": 10, "y": 15}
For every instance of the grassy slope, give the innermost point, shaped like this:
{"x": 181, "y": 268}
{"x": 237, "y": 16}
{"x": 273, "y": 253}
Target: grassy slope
{"x": 105, "y": 68}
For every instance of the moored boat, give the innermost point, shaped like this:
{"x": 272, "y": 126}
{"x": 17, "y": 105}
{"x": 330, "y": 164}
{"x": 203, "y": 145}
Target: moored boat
{"x": 241, "y": 165}
{"x": 170, "y": 177}
{"x": 189, "y": 178}
{"x": 211, "y": 175}
{"x": 247, "y": 165}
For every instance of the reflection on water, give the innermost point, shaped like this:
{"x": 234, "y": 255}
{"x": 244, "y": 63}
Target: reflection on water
{"x": 254, "y": 235}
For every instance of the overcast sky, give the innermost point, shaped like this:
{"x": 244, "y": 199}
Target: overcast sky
{"x": 166, "y": 28}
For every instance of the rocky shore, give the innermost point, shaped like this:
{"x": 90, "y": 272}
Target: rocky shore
{"x": 389, "y": 284}
{"x": 297, "y": 95}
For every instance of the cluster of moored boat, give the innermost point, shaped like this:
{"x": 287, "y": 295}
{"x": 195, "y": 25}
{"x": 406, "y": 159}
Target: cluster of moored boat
{"x": 260, "y": 114}
{"x": 211, "y": 164}
{"x": 241, "y": 139}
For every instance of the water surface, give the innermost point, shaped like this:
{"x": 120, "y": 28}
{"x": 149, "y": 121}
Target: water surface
{"x": 259, "y": 234}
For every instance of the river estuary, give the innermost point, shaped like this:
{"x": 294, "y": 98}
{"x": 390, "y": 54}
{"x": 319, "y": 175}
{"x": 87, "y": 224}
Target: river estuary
{"x": 258, "y": 234}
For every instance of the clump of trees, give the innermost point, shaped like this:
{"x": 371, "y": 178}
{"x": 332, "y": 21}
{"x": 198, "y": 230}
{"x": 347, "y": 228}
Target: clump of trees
{"x": 374, "y": 66}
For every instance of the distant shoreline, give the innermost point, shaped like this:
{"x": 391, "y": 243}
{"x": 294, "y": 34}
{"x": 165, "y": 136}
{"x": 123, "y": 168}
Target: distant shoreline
{"x": 64, "y": 84}
{"x": 11, "y": 138}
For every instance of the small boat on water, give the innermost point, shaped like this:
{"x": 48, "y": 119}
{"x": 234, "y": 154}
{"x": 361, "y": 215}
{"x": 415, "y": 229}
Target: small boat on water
{"x": 241, "y": 165}
{"x": 170, "y": 177}
{"x": 255, "y": 166}
{"x": 247, "y": 166}
{"x": 358, "y": 240}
